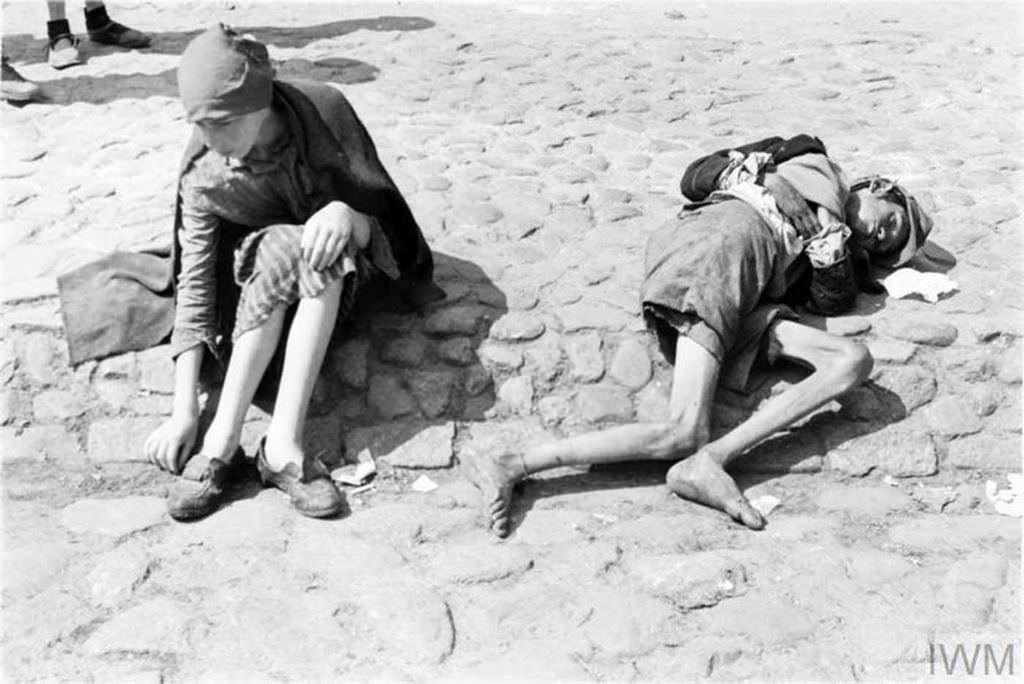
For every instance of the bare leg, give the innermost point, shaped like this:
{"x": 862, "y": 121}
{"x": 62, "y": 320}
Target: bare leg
{"x": 304, "y": 354}
{"x": 693, "y": 385}
{"x": 839, "y": 365}
{"x": 249, "y": 359}
{"x": 57, "y": 9}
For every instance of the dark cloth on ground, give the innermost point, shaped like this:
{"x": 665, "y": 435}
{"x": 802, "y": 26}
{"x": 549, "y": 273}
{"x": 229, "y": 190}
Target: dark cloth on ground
{"x": 125, "y": 302}
{"x": 701, "y": 177}
{"x": 706, "y": 273}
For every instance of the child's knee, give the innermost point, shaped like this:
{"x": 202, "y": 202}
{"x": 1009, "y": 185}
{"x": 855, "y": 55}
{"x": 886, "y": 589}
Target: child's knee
{"x": 281, "y": 247}
{"x": 672, "y": 441}
{"x": 854, "y": 363}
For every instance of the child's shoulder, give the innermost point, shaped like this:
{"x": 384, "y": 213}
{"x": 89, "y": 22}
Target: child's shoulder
{"x": 203, "y": 172}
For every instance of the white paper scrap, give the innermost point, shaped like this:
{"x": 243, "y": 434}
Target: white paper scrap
{"x": 358, "y": 473}
{"x": 765, "y": 504}
{"x": 424, "y": 484}
{"x": 904, "y": 282}
{"x": 1009, "y": 501}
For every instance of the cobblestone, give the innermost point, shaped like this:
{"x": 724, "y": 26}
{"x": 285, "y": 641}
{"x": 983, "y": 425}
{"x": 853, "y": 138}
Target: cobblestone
{"x": 599, "y": 403}
{"x": 119, "y": 439}
{"x": 952, "y": 417}
{"x": 631, "y": 366}
{"x": 389, "y": 399}
{"x": 586, "y": 360}
{"x": 38, "y": 443}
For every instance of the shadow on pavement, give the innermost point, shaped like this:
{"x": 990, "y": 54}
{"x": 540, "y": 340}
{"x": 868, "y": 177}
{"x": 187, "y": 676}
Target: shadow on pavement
{"x": 101, "y": 89}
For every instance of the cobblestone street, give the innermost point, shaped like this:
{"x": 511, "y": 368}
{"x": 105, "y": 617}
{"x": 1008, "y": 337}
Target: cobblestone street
{"x": 538, "y": 144}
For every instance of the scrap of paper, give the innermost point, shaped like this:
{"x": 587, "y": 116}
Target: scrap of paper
{"x": 904, "y": 282}
{"x": 424, "y": 484}
{"x": 765, "y": 504}
{"x": 358, "y": 473}
{"x": 1008, "y": 501}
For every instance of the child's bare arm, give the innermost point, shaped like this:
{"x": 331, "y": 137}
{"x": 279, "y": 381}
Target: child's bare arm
{"x": 170, "y": 444}
{"x": 329, "y": 230}
{"x": 826, "y": 217}
{"x": 186, "y": 381}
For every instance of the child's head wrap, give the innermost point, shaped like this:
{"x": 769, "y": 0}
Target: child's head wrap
{"x": 223, "y": 75}
{"x": 920, "y": 222}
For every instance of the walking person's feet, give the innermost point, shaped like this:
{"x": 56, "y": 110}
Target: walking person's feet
{"x": 16, "y": 88}
{"x": 700, "y": 479}
{"x": 309, "y": 486}
{"x": 103, "y": 30}
{"x": 496, "y": 478}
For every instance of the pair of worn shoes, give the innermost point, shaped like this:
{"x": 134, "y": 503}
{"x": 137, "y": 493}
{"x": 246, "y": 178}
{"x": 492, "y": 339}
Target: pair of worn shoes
{"x": 62, "y": 47}
{"x": 310, "y": 487}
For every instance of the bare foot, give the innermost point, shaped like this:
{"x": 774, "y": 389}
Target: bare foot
{"x": 495, "y": 477}
{"x": 701, "y": 479}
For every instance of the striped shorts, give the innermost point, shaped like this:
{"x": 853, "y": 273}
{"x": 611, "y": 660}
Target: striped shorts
{"x": 269, "y": 270}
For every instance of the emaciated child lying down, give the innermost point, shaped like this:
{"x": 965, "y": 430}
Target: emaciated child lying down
{"x": 770, "y": 221}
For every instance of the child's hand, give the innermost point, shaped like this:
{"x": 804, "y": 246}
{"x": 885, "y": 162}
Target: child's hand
{"x": 328, "y": 231}
{"x": 170, "y": 444}
{"x": 792, "y": 205}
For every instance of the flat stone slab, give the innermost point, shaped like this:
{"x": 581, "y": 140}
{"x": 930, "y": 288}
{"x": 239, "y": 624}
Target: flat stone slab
{"x": 526, "y": 660}
{"x": 690, "y": 580}
{"x": 870, "y": 501}
{"x": 631, "y": 366}
{"x": 552, "y": 527}
{"x": 480, "y": 563}
{"x": 29, "y": 569}
{"x": 39, "y": 442}
{"x": 951, "y": 417}
{"x": 429, "y": 448}
{"x": 986, "y": 452}
{"x": 938, "y": 531}
{"x": 586, "y": 360}
{"x": 116, "y": 574}
{"x": 624, "y": 624}
{"x": 922, "y": 332}
{"x": 591, "y": 316}
{"x": 900, "y": 450}
{"x": 870, "y": 567}
{"x": 411, "y": 622}
{"x": 114, "y": 440}
{"x": 518, "y": 326}
{"x": 158, "y": 626}
{"x": 114, "y": 517}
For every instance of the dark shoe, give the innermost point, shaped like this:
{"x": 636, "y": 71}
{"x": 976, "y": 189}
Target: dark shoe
{"x": 119, "y": 35}
{"x": 312, "y": 492}
{"x": 16, "y": 88}
{"x": 189, "y": 500}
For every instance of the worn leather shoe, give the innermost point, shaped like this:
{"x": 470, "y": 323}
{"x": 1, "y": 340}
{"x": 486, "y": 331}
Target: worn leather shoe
{"x": 189, "y": 500}
{"x": 310, "y": 488}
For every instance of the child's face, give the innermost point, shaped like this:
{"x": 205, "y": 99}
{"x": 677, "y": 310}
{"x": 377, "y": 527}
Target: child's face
{"x": 233, "y": 137}
{"x": 879, "y": 224}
